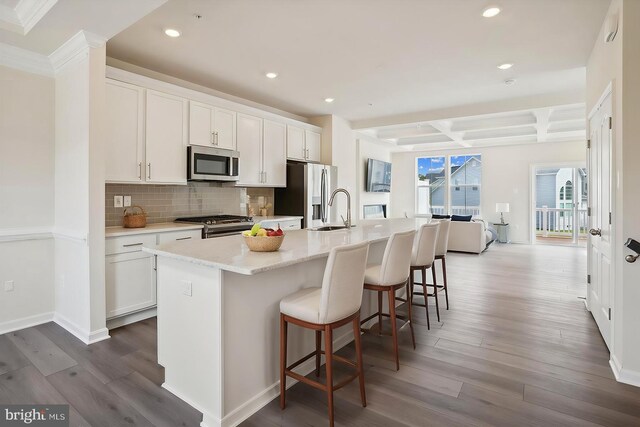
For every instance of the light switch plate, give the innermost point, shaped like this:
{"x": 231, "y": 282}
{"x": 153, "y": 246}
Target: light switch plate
{"x": 117, "y": 201}
{"x": 127, "y": 201}
{"x": 187, "y": 288}
{"x": 8, "y": 285}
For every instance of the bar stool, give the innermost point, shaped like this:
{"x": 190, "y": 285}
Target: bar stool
{"x": 391, "y": 275}
{"x": 442, "y": 246}
{"x": 335, "y": 304}
{"x": 424, "y": 252}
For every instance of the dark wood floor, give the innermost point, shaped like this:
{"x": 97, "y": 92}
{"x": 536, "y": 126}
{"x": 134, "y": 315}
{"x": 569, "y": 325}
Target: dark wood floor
{"x": 516, "y": 348}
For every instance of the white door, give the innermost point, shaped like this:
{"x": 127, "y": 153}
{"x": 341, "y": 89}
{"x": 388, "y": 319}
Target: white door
{"x": 274, "y": 154}
{"x": 224, "y": 128}
{"x": 201, "y": 124}
{"x": 295, "y": 143}
{"x": 130, "y": 283}
{"x": 124, "y": 132}
{"x": 249, "y": 141}
{"x": 166, "y": 130}
{"x": 312, "y": 143}
{"x": 599, "y": 295}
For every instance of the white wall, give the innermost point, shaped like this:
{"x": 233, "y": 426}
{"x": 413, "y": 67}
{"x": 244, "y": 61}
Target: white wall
{"x": 619, "y": 62}
{"x": 370, "y": 148}
{"x": 506, "y": 177}
{"x": 26, "y": 198}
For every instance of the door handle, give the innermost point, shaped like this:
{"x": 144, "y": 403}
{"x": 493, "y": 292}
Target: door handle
{"x": 183, "y": 238}
{"x": 595, "y": 232}
{"x": 213, "y": 139}
{"x": 140, "y": 171}
{"x": 149, "y": 164}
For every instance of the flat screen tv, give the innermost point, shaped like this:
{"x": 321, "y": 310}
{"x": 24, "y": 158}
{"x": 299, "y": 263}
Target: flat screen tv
{"x": 378, "y": 176}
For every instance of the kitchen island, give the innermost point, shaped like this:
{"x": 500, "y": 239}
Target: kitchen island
{"x": 218, "y": 313}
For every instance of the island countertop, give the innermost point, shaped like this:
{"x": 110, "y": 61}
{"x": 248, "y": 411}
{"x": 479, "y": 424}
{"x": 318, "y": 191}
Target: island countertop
{"x": 231, "y": 254}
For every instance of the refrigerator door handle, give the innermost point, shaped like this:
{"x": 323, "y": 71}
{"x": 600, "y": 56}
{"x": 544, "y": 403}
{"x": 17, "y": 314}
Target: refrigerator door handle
{"x": 323, "y": 195}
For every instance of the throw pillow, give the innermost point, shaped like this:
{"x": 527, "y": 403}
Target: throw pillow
{"x": 463, "y": 218}
{"x": 437, "y": 216}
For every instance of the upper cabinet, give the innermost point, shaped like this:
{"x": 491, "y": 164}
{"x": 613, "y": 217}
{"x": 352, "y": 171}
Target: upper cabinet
{"x": 166, "y": 138}
{"x": 303, "y": 144}
{"x": 124, "y": 132}
{"x": 211, "y": 126}
{"x": 262, "y": 145}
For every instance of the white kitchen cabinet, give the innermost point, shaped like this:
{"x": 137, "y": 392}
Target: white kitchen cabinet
{"x": 249, "y": 142}
{"x": 295, "y": 143}
{"x": 274, "y": 154}
{"x": 166, "y": 138}
{"x": 312, "y": 142}
{"x": 211, "y": 126}
{"x": 287, "y": 224}
{"x": 303, "y": 144}
{"x": 179, "y": 236}
{"x": 130, "y": 283}
{"x": 124, "y": 132}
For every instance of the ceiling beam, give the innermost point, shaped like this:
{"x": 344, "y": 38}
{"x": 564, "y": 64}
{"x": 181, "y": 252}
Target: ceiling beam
{"x": 445, "y": 127}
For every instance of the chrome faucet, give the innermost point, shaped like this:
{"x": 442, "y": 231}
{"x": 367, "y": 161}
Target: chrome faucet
{"x": 347, "y": 222}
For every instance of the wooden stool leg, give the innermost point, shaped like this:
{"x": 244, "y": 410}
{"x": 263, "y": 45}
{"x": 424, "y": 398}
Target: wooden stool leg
{"x": 379, "y": 313}
{"x": 412, "y": 279}
{"x": 328, "y": 351}
{"x": 435, "y": 290}
{"x": 283, "y": 360}
{"x": 359, "y": 367}
{"x": 394, "y": 331}
{"x": 423, "y": 271}
{"x": 444, "y": 278}
{"x": 318, "y": 351}
{"x": 413, "y": 337}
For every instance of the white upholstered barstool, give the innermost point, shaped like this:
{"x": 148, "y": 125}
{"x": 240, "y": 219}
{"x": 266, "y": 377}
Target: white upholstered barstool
{"x": 422, "y": 258}
{"x": 333, "y": 305}
{"x": 389, "y": 276}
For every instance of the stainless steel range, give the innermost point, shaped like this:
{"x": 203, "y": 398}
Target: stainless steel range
{"x": 220, "y": 225}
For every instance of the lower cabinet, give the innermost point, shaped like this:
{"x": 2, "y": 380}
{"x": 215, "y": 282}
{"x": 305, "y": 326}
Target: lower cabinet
{"x": 131, "y": 283}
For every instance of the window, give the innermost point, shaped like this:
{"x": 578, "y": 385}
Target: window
{"x": 449, "y": 185}
{"x": 430, "y": 184}
{"x": 465, "y": 179}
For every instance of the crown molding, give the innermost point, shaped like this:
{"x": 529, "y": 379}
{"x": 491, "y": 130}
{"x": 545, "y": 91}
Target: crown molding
{"x": 74, "y": 48}
{"x": 25, "y": 60}
{"x": 25, "y": 15}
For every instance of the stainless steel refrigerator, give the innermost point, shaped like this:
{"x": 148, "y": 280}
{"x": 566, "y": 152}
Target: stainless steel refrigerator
{"x": 309, "y": 187}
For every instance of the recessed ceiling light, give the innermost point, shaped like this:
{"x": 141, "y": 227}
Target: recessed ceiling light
{"x": 491, "y": 12}
{"x": 329, "y": 100}
{"x": 509, "y": 82}
{"x": 271, "y": 75}
{"x": 505, "y": 66}
{"x": 172, "y": 33}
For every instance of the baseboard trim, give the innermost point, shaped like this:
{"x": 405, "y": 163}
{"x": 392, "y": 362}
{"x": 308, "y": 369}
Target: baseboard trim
{"x": 25, "y": 322}
{"x": 127, "y": 319}
{"x": 208, "y": 420}
{"x": 261, "y": 399}
{"x": 622, "y": 375}
{"x": 83, "y": 335}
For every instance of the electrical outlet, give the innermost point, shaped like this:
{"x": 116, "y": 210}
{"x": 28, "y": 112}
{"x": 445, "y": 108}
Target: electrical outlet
{"x": 187, "y": 288}
{"x": 117, "y": 201}
{"x": 8, "y": 286}
{"x": 127, "y": 201}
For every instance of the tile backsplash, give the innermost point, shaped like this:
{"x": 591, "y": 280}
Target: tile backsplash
{"x": 164, "y": 203}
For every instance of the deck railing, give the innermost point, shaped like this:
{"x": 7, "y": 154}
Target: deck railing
{"x": 558, "y": 222}
{"x": 457, "y": 210}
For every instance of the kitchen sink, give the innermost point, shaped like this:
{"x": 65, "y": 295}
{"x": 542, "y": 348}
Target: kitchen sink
{"x": 330, "y": 228}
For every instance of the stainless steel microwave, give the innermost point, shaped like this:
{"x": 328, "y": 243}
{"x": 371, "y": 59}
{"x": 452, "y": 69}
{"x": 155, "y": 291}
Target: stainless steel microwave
{"x": 211, "y": 164}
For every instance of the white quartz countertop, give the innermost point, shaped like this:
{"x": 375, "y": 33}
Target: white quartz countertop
{"x": 231, "y": 254}
{"x": 150, "y": 228}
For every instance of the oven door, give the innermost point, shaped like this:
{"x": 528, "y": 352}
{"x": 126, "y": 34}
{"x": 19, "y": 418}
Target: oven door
{"x": 212, "y": 164}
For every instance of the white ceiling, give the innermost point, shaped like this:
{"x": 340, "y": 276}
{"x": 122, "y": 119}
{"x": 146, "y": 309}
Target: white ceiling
{"x": 547, "y": 124}
{"x": 401, "y": 56}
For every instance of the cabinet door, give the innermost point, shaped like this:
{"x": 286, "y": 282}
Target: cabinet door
{"x": 249, "y": 141}
{"x": 124, "y": 132}
{"x": 312, "y": 143}
{"x": 295, "y": 143}
{"x": 200, "y": 124}
{"x": 274, "y": 154}
{"x": 224, "y": 126}
{"x": 130, "y": 283}
{"x": 166, "y": 129}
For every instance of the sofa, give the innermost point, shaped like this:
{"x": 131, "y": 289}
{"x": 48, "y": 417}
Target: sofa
{"x": 470, "y": 236}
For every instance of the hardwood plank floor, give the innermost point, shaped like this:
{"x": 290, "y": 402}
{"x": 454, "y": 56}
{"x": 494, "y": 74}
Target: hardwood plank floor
{"x": 517, "y": 347}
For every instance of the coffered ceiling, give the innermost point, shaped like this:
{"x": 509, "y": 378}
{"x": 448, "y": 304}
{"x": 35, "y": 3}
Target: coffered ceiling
{"x": 377, "y": 58}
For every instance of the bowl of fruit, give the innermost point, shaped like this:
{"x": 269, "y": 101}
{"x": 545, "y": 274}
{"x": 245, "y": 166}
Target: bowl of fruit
{"x": 260, "y": 239}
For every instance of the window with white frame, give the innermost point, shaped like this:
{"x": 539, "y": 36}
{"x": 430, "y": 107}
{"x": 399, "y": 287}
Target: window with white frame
{"x": 449, "y": 185}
